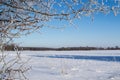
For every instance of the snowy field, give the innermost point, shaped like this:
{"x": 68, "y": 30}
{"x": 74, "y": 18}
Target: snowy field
{"x": 73, "y": 65}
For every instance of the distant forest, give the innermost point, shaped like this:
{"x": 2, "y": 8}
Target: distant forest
{"x": 13, "y": 47}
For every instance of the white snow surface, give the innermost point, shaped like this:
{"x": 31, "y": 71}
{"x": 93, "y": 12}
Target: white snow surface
{"x": 49, "y": 68}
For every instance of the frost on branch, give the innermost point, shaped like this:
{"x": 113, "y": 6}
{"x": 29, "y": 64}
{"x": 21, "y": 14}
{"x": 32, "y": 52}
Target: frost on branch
{"x": 19, "y": 17}
{"x": 22, "y": 17}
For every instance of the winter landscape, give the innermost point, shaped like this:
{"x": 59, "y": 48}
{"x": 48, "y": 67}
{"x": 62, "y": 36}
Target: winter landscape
{"x": 59, "y": 40}
{"x": 68, "y": 65}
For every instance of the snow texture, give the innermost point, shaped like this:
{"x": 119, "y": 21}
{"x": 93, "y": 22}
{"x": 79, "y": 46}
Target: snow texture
{"x": 63, "y": 65}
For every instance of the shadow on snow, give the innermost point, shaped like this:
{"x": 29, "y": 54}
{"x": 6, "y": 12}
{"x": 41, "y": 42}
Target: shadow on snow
{"x": 99, "y": 58}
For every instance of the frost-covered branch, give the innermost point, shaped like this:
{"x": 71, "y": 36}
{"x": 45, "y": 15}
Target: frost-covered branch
{"x": 25, "y": 16}
{"x": 22, "y": 17}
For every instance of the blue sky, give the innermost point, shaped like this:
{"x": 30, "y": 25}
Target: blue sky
{"x": 102, "y": 32}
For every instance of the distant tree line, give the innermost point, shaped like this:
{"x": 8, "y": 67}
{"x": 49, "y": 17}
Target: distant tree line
{"x": 11, "y": 47}
{"x": 87, "y": 48}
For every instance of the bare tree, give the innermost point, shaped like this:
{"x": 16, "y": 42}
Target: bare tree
{"x": 24, "y": 16}
{"x": 21, "y": 17}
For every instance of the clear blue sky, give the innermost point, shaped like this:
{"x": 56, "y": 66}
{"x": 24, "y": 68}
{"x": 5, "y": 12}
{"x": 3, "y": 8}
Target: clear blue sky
{"x": 102, "y": 32}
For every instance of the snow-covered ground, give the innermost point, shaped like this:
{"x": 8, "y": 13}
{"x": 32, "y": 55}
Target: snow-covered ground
{"x": 73, "y": 65}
